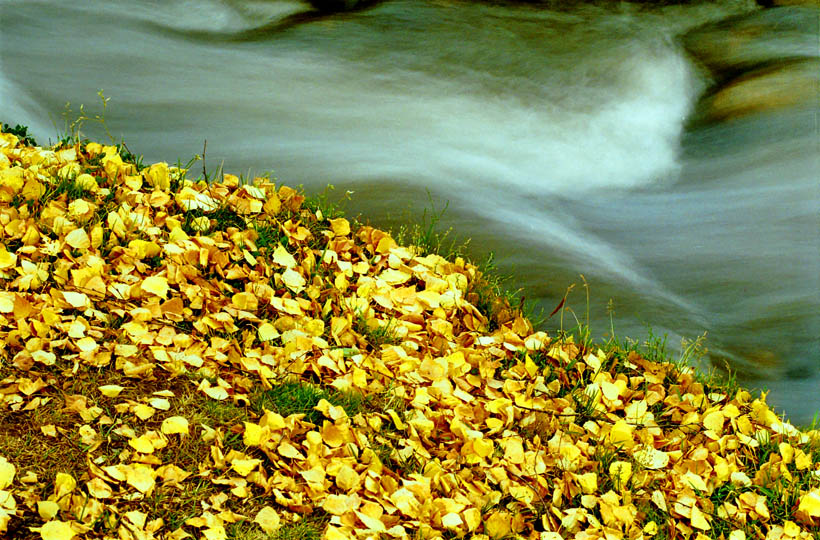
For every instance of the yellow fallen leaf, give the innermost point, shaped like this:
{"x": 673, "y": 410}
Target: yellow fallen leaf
{"x": 267, "y": 332}
{"x": 713, "y": 421}
{"x": 293, "y": 280}
{"x": 64, "y": 484}
{"x": 335, "y": 504}
{"x": 498, "y": 524}
{"x": 340, "y": 227}
{"x": 588, "y": 482}
{"x": 283, "y": 258}
{"x": 144, "y": 249}
{"x": 347, "y": 478}
{"x": 451, "y": 520}
{"x": 175, "y": 425}
{"x": 140, "y": 477}
{"x": 620, "y": 472}
{"x": 57, "y": 530}
{"x": 110, "y": 390}
{"x": 371, "y": 523}
{"x": 650, "y": 458}
{"x": 78, "y": 239}
{"x": 143, "y": 411}
{"x": 245, "y": 301}
{"x": 810, "y": 503}
{"x": 47, "y": 509}
{"x": 157, "y": 176}
{"x": 7, "y": 260}
{"x": 76, "y": 299}
{"x": 160, "y": 403}
{"x": 142, "y": 444}
{"x": 244, "y": 466}
{"x": 7, "y": 471}
{"x": 621, "y": 434}
{"x": 287, "y": 450}
{"x": 157, "y": 285}
{"x": 699, "y": 520}
{"x": 268, "y": 519}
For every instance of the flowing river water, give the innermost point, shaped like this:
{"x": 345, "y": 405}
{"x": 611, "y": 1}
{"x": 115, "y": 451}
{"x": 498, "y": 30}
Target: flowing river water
{"x": 566, "y": 141}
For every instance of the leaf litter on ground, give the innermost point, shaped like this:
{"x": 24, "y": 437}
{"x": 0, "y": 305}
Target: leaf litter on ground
{"x": 216, "y": 360}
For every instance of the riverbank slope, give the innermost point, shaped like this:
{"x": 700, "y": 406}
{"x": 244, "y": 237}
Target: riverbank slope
{"x": 227, "y": 359}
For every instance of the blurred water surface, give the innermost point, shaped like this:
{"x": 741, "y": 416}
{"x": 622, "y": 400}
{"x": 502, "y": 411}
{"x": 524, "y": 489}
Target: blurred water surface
{"x": 567, "y": 142}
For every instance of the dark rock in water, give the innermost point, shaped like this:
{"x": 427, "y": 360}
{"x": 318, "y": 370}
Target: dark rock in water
{"x": 736, "y": 44}
{"x": 336, "y": 5}
{"x": 779, "y": 85}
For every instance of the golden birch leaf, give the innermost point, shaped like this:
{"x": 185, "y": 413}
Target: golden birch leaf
{"x": 47, "y": 509}
{"x": 201, "y": 224}
{"x": 76, "y": 299}
{"x": 287, "y": 450}
{"x": 267, "y": 332}
{"x": 340, "y": 226}
{"x": 522, "y": 493}
{"x": 268, "y": 519}
{"x": 110, "y": 390}
{"x": 472, "y": 518}
{"x": 620, "y": 472}
{"x": 7, "y": 471}
{"x": 498, "y": 524}
{"x": 245, "y": 301}
{"x": 216, "y": 392}
{"x": 714, "y": 421}
{"x": 175, "y": 424}
{"x": 142, "y": 444}
{"x": 283, "y": 258}
{"x": 293, "y": 280}
{"x": 699, "y": 520}
{"x": 650, "y": 529}
{"x": 588, "y": 482}
{"x": 143, "y": 411}
{"x": 737, "y": 534}
{"x": 786, "y": 452}
{"x": 810, "y": 503}
{"x": 57, "y": 530}
{"x": 87, "y": 182}
{"x": 347, "y": 478}
{"x": 160, "y": 403}
{"x": 6, "y": 302}
{"x": 157, "y": 176}
{"x": 157, "y": 285}
{"x": 252, "y": 435}
{"x": 215, "y": 532}
{"x": 144, "y": 248}
{"x": 78, "y": 239}
{"x": 394, "y": 277}
{"x": 140, "y": 476}
{"x": 621, "y": 434}
{"x": 7, "y": 260}
{"x": 243, "y": 467}
{"x": 63, "y": 485}
{"x": 451, "y": 521}
{"x": 791, "y": 529}
{"x": 314, "y": 476}
{"x": 371, "y": 523}
{"x": 650, "y": 458}
{"x": 335, "y": 504}
{"x": 514, "y": 450}
{"x": 483, "y": 447}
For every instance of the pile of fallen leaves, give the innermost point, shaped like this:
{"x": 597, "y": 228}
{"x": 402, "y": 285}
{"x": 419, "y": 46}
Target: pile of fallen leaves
{"x": 155, "y": 331}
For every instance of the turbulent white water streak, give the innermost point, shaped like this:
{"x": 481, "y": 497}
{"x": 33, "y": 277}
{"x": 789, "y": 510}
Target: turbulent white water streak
{"x": 557, "y": 137}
